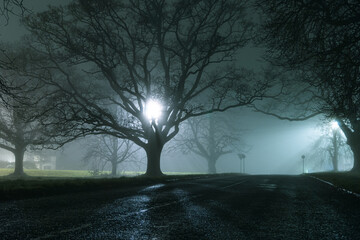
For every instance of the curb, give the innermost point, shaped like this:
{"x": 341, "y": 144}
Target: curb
{"x": 338, "y": 188}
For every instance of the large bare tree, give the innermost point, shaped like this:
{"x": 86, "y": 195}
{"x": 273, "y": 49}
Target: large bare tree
{"x": 178, "y": 54}
{"x": 319, "y": 41}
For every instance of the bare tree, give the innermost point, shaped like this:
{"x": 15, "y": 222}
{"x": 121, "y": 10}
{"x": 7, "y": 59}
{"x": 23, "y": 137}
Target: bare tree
{"x": 28, "y": 115}
{"x": 180, "y": 54}
{"x": 211, "y": 137}
{"x": 105, "y": 149}
{"x": 329, "y": 149}
{"x": 11, "y": 7}
{"x": 8, "y": 8}
{"x": 319, "y": 42}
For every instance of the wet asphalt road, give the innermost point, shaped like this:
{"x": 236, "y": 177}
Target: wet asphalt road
{"x": 219, "y": 207}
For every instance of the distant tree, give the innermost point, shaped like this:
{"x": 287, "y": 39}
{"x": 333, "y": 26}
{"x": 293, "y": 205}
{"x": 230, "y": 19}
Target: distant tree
{"x": 210, "y": 137}
{"x": 27, "y": 116}
{"x": 105, "y": 149}
{"x": 179, "y": 53}
{"x": 318, "y": 42}
{"x": 329, "y": 149}
{"x": 41, "y": 157}
{"x": 30, "y": 165}
{"x": 4, "y": 164}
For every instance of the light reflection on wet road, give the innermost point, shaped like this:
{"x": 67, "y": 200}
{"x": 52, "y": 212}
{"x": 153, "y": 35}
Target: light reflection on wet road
{"x": 219, "y": 207}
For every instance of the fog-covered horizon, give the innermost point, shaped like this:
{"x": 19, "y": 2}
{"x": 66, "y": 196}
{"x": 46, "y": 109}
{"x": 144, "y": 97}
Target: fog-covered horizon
{"x": 276, "y": 147}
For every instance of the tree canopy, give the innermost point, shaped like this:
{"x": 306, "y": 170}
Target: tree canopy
{"x": 319, "y": 41}
{"x": 120, "y": 55}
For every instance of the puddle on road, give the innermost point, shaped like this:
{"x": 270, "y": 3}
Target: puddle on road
{"x": 268, "y": 186}
{"x": 152, "y": 188}
{"x": 139, "y": 215}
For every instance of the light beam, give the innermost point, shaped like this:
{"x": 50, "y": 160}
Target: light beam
{"x": 153, "y": 110}
{"x": 334, "y": 125}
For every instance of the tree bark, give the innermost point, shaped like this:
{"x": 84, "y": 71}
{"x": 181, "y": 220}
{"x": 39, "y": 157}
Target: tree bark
{"x": 19, "y": 161}
{"x": 113, "y": 168}
{"x": 153, "y": 151}
{"x": 211, "y": 166}
{"x": 153, "y": 161}
{"x": 335, "y": 157}
{"x": 356, "y": 151}
{"x": 353, "y": 140}
{"x": 335, "y": 161}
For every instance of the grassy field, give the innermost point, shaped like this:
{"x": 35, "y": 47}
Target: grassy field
{"x": 75, "y": 173}
{"x": 49, "y": 173}
{"x": 39, "y": 183}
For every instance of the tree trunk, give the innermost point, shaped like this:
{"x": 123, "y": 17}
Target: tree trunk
{"x": 335, "y": 162}
{"x": 113, "y": 168}
{"x": 353, "y": 140}
{"x": 212, "y": 149}
{"x": 211, "y": 166}
{"x": 19, "y": 161}
{"x": 153, "y": 151}
{"x": 335, "y": 156}
{"x": 153, "y": 161}
{"x": 356, "y": 152}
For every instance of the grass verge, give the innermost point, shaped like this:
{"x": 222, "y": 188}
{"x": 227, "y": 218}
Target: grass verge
{"x": 42, "y": 186}
{"x": 49, "y": 173}
{"x": 344, "y": 180}
{"x": 39, "y": 186}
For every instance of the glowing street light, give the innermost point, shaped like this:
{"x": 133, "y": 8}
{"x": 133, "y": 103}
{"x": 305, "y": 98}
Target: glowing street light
{"x": 153, "y": 110}
{"x": 303, "y": 161}
{"x": 334, "y": 125}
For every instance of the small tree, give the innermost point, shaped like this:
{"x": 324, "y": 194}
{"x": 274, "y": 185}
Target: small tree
{"x": 210, "y": 137}
{"x": 105, "y": 149}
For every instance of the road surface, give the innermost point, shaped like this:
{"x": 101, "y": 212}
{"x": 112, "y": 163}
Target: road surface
{"x": 219, "y": 207}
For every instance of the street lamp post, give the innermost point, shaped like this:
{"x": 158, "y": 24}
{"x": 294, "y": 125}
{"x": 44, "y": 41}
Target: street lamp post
{"x": 303, "y": 160}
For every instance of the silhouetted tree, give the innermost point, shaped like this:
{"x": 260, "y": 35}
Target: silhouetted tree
{"x": 319, "y": 42}
{"x": 329, "y": 148}
{"x": 210, "y": 137}
{"x": 27, "y": 116}
{"x": 8, "y": 8}
{"x": 179, "y": 53}
{"x": 11, "y": 7}
{"x": 107, "y": 149}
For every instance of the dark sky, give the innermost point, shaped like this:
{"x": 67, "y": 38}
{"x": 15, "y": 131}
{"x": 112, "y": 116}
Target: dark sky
{"x": 13, "y": 30}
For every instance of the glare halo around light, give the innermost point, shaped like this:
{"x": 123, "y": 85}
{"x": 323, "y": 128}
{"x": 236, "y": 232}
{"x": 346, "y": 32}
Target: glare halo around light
{"x": 153, "y": 110}
{"x": 334, "y": 125}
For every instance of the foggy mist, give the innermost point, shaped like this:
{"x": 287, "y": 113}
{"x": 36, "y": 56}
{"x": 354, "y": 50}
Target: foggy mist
{"x": 273, "y": 146}
{"x": 179, "y": 119}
